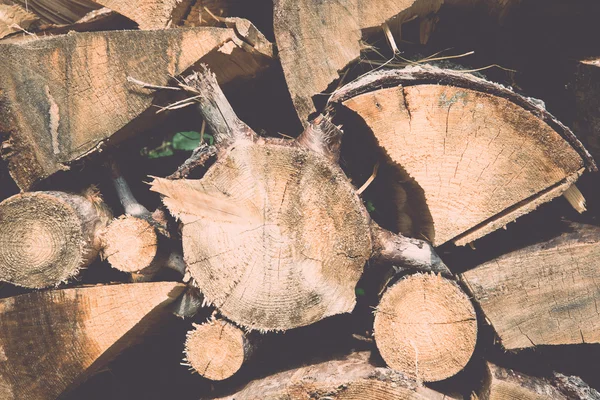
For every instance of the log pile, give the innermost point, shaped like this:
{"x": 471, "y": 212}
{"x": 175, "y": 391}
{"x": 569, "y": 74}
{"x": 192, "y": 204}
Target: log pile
{"x": 422, "y": 227}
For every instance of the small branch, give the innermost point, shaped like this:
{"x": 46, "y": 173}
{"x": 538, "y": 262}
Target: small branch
{"x": 150, "y": 86}
{"x": 369, "y": 181}
{"x": 215, "y": 108}
{"x": 323, "y": 137}
{"x": 128, "y": 201}
{"x": 407, "y": 252}
{"x": 198, "y": 158}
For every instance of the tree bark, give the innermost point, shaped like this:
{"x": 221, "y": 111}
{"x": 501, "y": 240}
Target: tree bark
{"x": 544, "y": 294}
{"x": 47, "y": 237}
{"x": 483, "y": 155}
{"x": 217, "y": 349}
{"x": 52, "y": 341}
{"x": 585, "y": 86}
{"x": 502, "y": 383}
{"x": 348, "y": 378}
{"x": 425, "y": 327}
{"x": 80, "y": 83}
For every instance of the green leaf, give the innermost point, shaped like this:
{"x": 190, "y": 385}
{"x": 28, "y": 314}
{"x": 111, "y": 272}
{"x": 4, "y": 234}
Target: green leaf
{"x": 165, "y": 151}
{"x": 360, "y": 291}
{"x": 186, "y": 141}
{"x": 370, "y": 206}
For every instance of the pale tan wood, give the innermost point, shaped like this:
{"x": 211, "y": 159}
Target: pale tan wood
{"x": 65, "y": 96}
{"x": 216, "y": 349}
{"x": 52, "y": 341}
{"x": 47, "y": 237}
{"x": 130, "y": 244}
{"x": 349, "y": 378}
{"x": 149, "y": 14}
{"x": 425, "y": 327}
{"x": 14, "y": 18}
{"x": 545, "y": 294}
{"x": 480, "y": 158}
{"x": 316, "y": 40}
{"x": 57, "y": 12}
{"x": 274, "y": 234}
{"x": 505, "y": 384}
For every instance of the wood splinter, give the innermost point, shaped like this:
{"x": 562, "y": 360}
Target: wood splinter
{"x": 426, "y": 327}
{"x": 217, "y": 349}
{"x": 280, "y": 219}
{"x": 46, "y": 238}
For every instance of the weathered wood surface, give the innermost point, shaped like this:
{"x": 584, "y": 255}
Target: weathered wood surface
{"x": 52, "y": 341}
{"x": 150, "y": 14}
{"x": 14, "y": 18}
{"x": 47, "y": 237}
{"x": 316, "y": 40}
{"x": 502, "y": 383}
{"x": 63, "y": 97}
{"x": 57, "y": 12}
{"x": 545, "y": 294}
{"x": 425, "y": 327}
{"x": 348, "y": 378}
{"x": 478, "y": 153}
{"x": 216, "y": 349}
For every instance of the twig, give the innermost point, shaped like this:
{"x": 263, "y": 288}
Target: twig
{"x": 370, "y": 180}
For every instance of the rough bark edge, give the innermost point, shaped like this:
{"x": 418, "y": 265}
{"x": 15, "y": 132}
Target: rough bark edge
{"x": 426, "y": 74}
{"x": 518, "y": 210}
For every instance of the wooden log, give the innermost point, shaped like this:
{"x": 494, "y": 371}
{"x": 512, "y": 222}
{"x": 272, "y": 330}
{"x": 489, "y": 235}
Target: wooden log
{"x": 483, "y": 155}
{"x": 217, "y": 349}
{"x": 14, "y": 18}
{"x": 426, "y": 327}
{"x": 274, "y": 234}
{"x": 585, "y": 86}
{"x": 150, "y": 14}
{"x": 52, "y": 341}
{"x": 57, "y": 12}
{"x": 349, "y": 378}
{"x": 545, "y": 294}
{"x": 325, "y": 37}
{"x": 47, "y": 237}
{"x": 64, "y": 97}
{"x": 501, "y": 383}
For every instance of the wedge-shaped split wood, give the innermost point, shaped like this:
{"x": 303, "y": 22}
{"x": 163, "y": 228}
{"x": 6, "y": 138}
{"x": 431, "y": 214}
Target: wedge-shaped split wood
{"x": 217, "y": 349}
{"x": 480, "y": 154}
{"x": 14, "y": 18}
{"x": 349, "y": 378}
{"x": 545, "y": 294}
{"x": 274, "y": 234}
{"x": 149, "y": 14}
{"x": 63, "y": 97}
{"x": 324, "y": 37}
{"x": 47, "y": 237}
{"x": 501, "y": 383}
{"x": 52, "y": 341}
{"x": 426, "y": 327}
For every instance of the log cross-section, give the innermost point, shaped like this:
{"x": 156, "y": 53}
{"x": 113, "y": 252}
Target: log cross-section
{"x": 480, "y": 154}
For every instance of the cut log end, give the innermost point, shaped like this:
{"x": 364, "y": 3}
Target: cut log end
{"x": 130, "y": 244}
{"x": 47, "y": 237}
{"x": 216, "y": 349}
{"x": 283, "y": 223}
{"x": 425, "y": 326}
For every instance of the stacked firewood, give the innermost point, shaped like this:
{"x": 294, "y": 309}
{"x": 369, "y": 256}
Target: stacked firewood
{"x": 417, "y": 229}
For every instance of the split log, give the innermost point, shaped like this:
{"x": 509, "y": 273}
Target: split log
{"x": 274, "y": 234}
{"x": 426, "y": 327}
{"x": 479, "y": 154}
{"x": 52, "y": 341}
{"x": 47, "y": 237}
{"x": 14, "y": 18}
{"x": 64, "y": 97}
{"x": 501, "y": 383}
{"x": 349, "y": 378}
{"x": 150, "y": 14}
{"x": 585, "y": 85}
{"x": 324, "y": 37}
{"x": 545, "y": 294}
{"x": 217, "y": 349}
{"x": 57, "y": 12}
